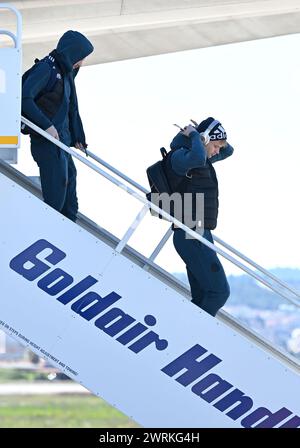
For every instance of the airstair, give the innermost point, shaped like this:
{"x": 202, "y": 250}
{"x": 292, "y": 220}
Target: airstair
{"x": 117, "y": 323}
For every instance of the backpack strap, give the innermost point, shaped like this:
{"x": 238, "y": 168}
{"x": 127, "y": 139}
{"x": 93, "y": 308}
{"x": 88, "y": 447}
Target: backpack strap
{"x": 163, "y": 152}
{"x": 53, "y": 74}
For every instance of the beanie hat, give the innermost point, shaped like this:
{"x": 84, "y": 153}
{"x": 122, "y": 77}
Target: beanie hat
{"x": 214, "y": 128}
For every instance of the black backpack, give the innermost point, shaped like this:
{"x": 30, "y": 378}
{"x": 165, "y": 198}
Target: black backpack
{"x": 158, "y": 181}
{"x": 49, "y": 87}
{"x": 157, "y": 176}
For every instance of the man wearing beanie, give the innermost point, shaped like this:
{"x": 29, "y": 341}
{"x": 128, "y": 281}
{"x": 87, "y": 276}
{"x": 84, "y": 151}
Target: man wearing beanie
{"x": 189, "y": 169}
{"x": 49, "y": 100}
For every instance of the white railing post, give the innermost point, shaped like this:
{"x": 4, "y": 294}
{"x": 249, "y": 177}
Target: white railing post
{"x": 10, "y": 91}
{"x": 132, "y": 229}
{"x": 159, "y": 247}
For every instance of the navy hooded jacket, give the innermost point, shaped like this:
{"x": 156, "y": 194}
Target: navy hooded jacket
{"x": 72, "y": 47}
{"x": 191, "y": 153}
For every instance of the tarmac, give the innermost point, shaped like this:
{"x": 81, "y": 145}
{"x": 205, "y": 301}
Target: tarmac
{"x": 42, "y": 388}
{"x": 38, "y": 387}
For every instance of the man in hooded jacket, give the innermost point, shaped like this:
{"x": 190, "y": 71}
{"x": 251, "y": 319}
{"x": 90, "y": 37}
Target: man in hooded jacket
{"x": 56, "y": 112}
{"x": 189, "y": 170}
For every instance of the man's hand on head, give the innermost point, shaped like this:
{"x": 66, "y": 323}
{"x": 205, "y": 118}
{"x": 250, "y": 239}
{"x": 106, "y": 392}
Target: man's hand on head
{"x": 187, "y": 130}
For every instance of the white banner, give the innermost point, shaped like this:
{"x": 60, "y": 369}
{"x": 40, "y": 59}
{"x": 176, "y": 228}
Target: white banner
{"x": 126, "y": 336}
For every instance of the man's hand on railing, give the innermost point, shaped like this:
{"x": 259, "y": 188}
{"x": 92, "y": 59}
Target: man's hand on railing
{"x": 53, "y": 132}
{"x": 82, "y": 147}
{"x": 79, "y": 146}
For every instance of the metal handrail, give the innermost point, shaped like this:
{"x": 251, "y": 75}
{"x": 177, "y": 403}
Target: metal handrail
{"x": 169, "y": 232}
{"x": 17, "y": 39}
{"x": 10, "y": 34}
{"x": 258, "y": 267}
{"x": 158, "y": 210}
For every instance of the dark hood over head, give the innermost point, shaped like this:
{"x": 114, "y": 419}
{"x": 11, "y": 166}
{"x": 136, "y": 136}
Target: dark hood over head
{"x": 71, "y": 48}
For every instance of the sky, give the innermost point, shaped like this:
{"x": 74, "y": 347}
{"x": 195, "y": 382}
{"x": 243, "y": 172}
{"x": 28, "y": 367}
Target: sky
{"x": 128, "y": 109}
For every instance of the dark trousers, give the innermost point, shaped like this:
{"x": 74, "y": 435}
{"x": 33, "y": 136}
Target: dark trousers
{"x": 58, "y": 177}
{"x": 209, "y": 286}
